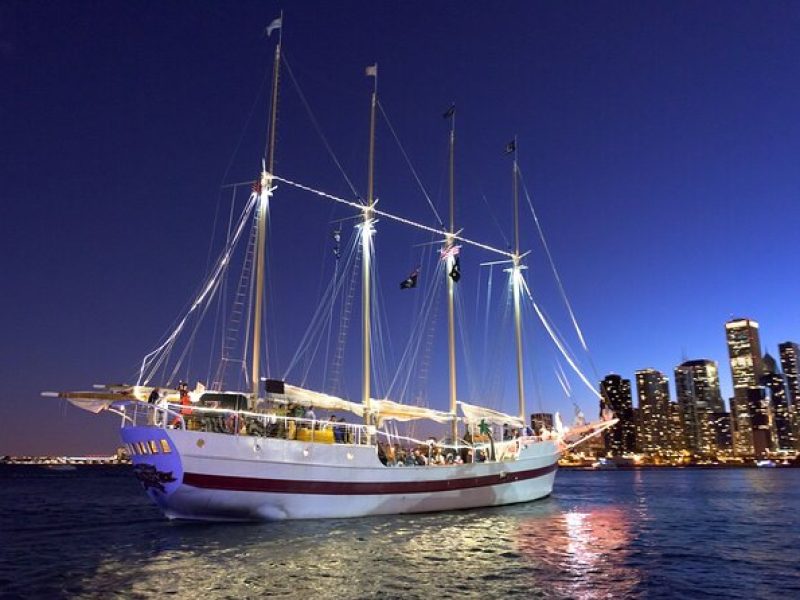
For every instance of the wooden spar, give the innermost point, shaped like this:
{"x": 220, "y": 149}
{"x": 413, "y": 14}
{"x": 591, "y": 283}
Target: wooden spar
{"x": 261, "y": 217}
{"x": 366, "y": 233}
{"x": 450, "y": 283}
{"x": 516, "y": 274}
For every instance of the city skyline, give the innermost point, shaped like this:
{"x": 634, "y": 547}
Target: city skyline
{"x": 761, "y": 417}
{"x": 648, "y": 137}
{"x": 726, "y": 387}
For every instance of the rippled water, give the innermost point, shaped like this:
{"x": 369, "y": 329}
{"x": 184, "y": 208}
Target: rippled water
{"x": 644, "y": 534}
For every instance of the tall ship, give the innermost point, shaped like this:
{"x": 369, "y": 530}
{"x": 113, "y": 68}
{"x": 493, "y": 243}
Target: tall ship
{"x": 274, "y": 448}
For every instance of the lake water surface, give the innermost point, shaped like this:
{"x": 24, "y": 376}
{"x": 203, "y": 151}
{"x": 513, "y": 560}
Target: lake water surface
{"x": 92, "y": 533}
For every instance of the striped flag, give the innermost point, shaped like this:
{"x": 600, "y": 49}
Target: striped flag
{"x": 449, "y": 251}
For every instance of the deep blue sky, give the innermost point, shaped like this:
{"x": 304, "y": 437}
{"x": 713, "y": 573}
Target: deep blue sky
{"x": 660, "y": 139}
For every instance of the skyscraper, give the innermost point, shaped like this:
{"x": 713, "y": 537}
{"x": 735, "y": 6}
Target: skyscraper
{"x": 776, "y": 394}
{"x": 697, "y": 390}
{"x": 616, "y": 392}
{"x": 652, "y": 390}
{"x": 677, "y": 435}
{"x": 790, "y": 365}
{"x": 744, "y": 351}
{"x": 763, "y": 421}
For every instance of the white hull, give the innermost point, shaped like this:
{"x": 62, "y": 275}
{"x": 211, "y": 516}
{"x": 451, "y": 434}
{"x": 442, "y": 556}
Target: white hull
{"x": 213, "y": 476}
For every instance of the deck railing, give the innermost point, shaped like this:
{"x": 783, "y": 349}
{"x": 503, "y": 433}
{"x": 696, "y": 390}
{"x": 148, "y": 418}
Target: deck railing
{"x": 267, "y": 424}
{"x": 239, "y": 422}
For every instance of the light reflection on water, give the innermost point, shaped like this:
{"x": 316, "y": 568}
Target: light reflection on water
{"x": 601, "y": 535}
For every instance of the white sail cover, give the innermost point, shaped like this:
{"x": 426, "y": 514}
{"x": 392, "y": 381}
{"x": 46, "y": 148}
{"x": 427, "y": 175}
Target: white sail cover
{"x": 388, "y": 409}
{"x": 476, "y": 414}
{"x": 306, "y": 397}
{"x": 382, "y": 409}
{"x": 104, "y": 397}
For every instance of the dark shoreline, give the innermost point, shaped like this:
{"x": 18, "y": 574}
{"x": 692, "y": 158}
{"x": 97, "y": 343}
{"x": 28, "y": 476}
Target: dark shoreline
{"x": 675, "y": 467}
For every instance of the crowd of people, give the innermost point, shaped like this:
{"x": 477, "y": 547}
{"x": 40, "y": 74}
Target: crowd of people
{"x": 286, "y": 421}
{"x": 394, "y": 455}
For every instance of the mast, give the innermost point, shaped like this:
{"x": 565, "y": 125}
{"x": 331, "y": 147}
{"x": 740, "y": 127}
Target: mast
{"x": 366, "y": 235}
{"x": 450, "y": 281}
{"x": 516, "y": 273}
{"x": 261, "y": 215}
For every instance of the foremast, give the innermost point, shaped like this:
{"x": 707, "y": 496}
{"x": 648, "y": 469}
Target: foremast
{"x": 516, "y": 279}
{"x": 366, "y": 240}
{"x": 264, "y": 191}
{"x": 449, "y": 253}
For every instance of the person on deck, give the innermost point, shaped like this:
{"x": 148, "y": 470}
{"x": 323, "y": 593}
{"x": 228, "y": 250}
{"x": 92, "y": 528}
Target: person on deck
{"x": 347, "y": 433}
{"x": 186, "y": 403}
{"x": 338, "y": 432}
{"x": 311, "y": 416}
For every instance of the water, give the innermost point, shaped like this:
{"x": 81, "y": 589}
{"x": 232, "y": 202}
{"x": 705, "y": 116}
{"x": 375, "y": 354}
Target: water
{"x": 92, "y": 533}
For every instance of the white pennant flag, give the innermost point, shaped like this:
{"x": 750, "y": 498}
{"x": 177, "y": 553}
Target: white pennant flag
{"x": 372, "y": 70}
{"x": 276, "y": 24}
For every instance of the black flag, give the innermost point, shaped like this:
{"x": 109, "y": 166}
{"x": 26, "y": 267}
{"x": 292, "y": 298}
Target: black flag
{"x": 450, "y": 111}
{"x": 511, "y": 146}
{"x": 410, "y": 281}
{"x": 455, "y": 272}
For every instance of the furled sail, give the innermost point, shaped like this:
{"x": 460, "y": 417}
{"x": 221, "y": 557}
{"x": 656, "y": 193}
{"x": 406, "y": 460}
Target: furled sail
{"x": 476, "y": 414}
{"x": 306, "y": 397}
{"x": 106, "y": 396}
{"x": 388, "y": 409}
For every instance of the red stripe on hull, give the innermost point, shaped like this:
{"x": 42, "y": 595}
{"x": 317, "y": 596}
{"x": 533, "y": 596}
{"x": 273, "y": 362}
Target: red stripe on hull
{"x": 340, "y": 488}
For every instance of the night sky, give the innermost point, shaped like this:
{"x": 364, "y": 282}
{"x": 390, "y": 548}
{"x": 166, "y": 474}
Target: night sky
{"x": 660, "y": 141}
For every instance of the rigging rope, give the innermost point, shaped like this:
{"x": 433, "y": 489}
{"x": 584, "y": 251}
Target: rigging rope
{"x": 211, "y": 284}
{"x": 552, "y": 263}
{"x": 557, "y": 342}
{"x": 318, "y": 128}
{"x": 390, "y": 216}
{"x": 411, "y": 166}
{"x": 496, "y": 222}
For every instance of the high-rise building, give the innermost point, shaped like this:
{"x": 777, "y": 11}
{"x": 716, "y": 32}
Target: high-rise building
{"x": 721, "y": 425}
{"x": 652, "y": 391}
{"x": 677, "y": 435}
{"x": 763, "y": 421}
{"x": 616, "y": 392}
{"x": 790, "y": 365}
{"x": 697, "y": 391}
{"x": 774, "y": 385}
{"x": 744, "y": 351}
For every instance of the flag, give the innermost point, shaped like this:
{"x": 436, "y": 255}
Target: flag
{"x": 256, "y": 187}
{"x": 511, "y": 146}
{"x": 455, "y": 272}
{"x": 449, "y": 251}
{"x": 410, "y": 281}
{"x": 276, "y": 24}
{"x": 450, "y": 111}
{"x": 372, "y": 70}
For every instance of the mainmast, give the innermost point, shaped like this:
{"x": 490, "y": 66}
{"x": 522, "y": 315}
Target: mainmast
{"x": 448, "y": 274}
{"x": 516, "y": 278}
{"x": 265, "y": 186}
{"x": 366, "y": 235}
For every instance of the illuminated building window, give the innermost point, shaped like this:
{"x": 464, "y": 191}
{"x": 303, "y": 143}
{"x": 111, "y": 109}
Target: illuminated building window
{"x": 165, "y": 447}
{"x": 143, "y": 449}
{"x": 153, "y": 447}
